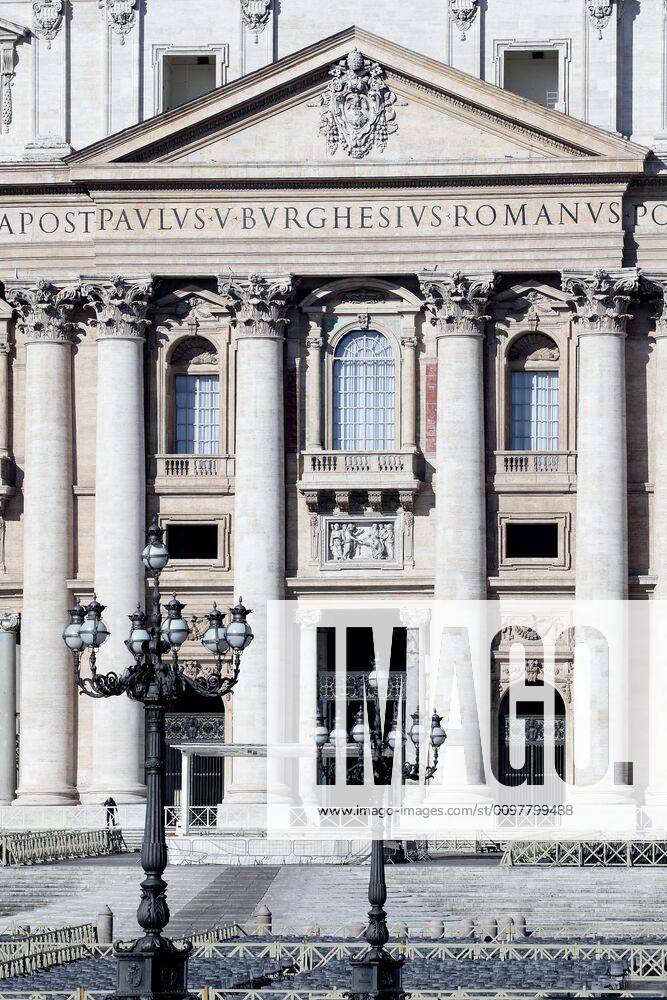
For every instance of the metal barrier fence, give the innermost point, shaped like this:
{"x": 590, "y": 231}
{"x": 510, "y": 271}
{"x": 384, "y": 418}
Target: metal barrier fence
{"x": 585, "y": 853}
{"x": 38, "y": 846}
{"x": 209, "y": 993}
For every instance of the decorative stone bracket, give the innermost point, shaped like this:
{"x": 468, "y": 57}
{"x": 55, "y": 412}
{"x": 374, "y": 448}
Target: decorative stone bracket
{"x": 10, "y": 34}
{"x": 463, "y": 14}
{"x": 121, "y": 16}
{"x": 255, "y": 15}
{"x": 48, "y": 17}
{"x": 600, "y": 11}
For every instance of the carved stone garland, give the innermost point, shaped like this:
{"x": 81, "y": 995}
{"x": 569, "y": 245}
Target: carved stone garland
{"x": 7, "y": 75}
{"x": 121, "y": 16}
{"x": 48, "y": 17}
{"x": 463, "y": 14}
{"x": 357, "y": 107}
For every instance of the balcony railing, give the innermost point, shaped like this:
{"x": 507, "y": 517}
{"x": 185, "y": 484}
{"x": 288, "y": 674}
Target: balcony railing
{"x": 199, "y": 471}
{"x": 538, "y": 463}
{"x": 360, "y": 469}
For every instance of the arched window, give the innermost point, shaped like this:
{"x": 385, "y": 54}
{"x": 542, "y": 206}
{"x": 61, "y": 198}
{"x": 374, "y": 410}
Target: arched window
{"x": 364, "y": 393}
{"x": 534, "y": 404}
{"x": 196, "y": 398}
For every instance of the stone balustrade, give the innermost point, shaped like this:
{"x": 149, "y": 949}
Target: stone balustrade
{"x": 360, "y": 469}
{"x": 545, "y": 471}
{"x": 36, "y": 847}
{"x": 193, "y": 471}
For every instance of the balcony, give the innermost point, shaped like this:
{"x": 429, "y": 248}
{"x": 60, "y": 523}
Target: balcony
{"x": 539, "y": 471}
{"x": 193, "y": 473}
{"x": 360, "y": 470}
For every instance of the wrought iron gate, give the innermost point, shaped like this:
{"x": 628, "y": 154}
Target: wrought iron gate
{"x": 530, "y": 731}
{"x": 207, "y": 779}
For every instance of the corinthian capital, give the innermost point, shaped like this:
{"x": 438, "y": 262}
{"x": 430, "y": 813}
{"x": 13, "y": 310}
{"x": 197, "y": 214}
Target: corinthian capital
{"x": 601, "y": 298}
{"x": 653, "y": 287}
{"x": 44, "y": 309}
{"x": 120, "y": 306}
{"x": 258, "y": 304}
{"x": 456, "y": 303}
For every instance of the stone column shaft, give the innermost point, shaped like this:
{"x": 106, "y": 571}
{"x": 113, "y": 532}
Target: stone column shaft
{"x": 186, "y": 776}
{"x": 47, "y": 702}
{"x": 409, "y": 389}
{"x": 4, "y": 394}
{"x": 314, "y": 344}
{"x": 602, "y": 302}
{"x": 259, "y": 307}
{"x": 120, "y": 500}
{"x": 456, "y": 305}
{"x": 9, "y": 629}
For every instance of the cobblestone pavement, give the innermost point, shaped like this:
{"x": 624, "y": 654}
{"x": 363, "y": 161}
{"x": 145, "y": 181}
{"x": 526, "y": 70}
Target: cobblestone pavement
{"x": 201, "y": 896}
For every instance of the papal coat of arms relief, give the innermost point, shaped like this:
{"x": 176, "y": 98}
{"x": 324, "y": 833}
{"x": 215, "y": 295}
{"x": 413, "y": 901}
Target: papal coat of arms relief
{"x": 357, "y": 107}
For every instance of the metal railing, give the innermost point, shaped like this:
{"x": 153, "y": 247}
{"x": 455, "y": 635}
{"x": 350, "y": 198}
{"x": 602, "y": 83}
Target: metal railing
{"x": 586, "y": 853}
{"x": 536, "y": 462}
{"x": 38, "y": 846}
{"x": 200, "y": 819}
{"x": 210, "y": 993}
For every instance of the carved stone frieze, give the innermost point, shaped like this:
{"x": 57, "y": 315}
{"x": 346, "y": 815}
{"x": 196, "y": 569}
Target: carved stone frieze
{"x": 48, "y": 18}
{"x": 120, "y": 306}
{"x": 121, "y": 16}
{"x": 463, "y": 14}
{"x": 255, "y": 15}
{"x": 258, "y": 304}
{"x": 601, "y": 299}
{"x": 357, "y": 107}
{"x": 456, "y": 303}
{"x": 44, "y": 309}
{"x": 356, "y": 541}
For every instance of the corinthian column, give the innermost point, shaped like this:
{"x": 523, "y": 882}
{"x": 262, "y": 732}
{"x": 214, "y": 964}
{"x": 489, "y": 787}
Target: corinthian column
{"x": 47, "y": 697}
{"x": 456, "y": 305}
{"x": 120, "y": 500}
{"x": 259, "y": 309}
{"x": 601, "y": 302}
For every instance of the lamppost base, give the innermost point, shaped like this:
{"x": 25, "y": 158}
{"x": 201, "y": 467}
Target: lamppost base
{"x": 152, "y": 967}
{"x": 377, "y": 977}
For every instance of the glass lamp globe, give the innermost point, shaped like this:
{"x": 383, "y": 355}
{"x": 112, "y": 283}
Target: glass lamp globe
{"x": 438, "y": 734}
{"x": 175, "y": 629}
{"x": 215, "y": 637}
{"x": 321, "y": 732}
{"x": 72, "y": 632}
{"x": 93, "y": 632}
{"x": 372, "y": 680}
{"x": 416, "y": 730}
{"x": 156, "y": 555}
{"x": 395, "y": 737}
{"x": 337, "y": 736}
{"x": 138, "y": 633}
{"x": 358, "y": 733}
{"x": 239, "y": 634}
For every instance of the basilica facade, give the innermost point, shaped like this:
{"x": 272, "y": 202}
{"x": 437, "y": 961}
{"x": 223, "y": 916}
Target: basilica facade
{"x": 355, "y": 315}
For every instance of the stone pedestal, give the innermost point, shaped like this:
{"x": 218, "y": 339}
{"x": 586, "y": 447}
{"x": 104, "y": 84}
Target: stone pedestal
{"x": 120, "y": 501}
{"x": 47, "y": 677}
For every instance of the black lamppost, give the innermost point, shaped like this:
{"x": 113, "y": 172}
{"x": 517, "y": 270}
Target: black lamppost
{"x": 155, "y": 965}
{"x": 375, "y": 973}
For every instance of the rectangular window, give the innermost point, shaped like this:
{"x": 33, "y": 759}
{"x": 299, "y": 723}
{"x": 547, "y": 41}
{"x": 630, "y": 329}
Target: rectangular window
{"x": 186, "y": 77}
{"x": 197, "y": 414}
{"x": 533, "y": 75}
{"x": 534, "y": 411}
{"x": 524, "y": 540}
{"x": 193, "y": 541}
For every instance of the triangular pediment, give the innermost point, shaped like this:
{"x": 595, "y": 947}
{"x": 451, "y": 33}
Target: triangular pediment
{"x": 11, "y": 32}
{"x": 383, "y": 111}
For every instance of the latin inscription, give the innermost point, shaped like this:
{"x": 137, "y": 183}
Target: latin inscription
{"x": 239, "y": 220}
